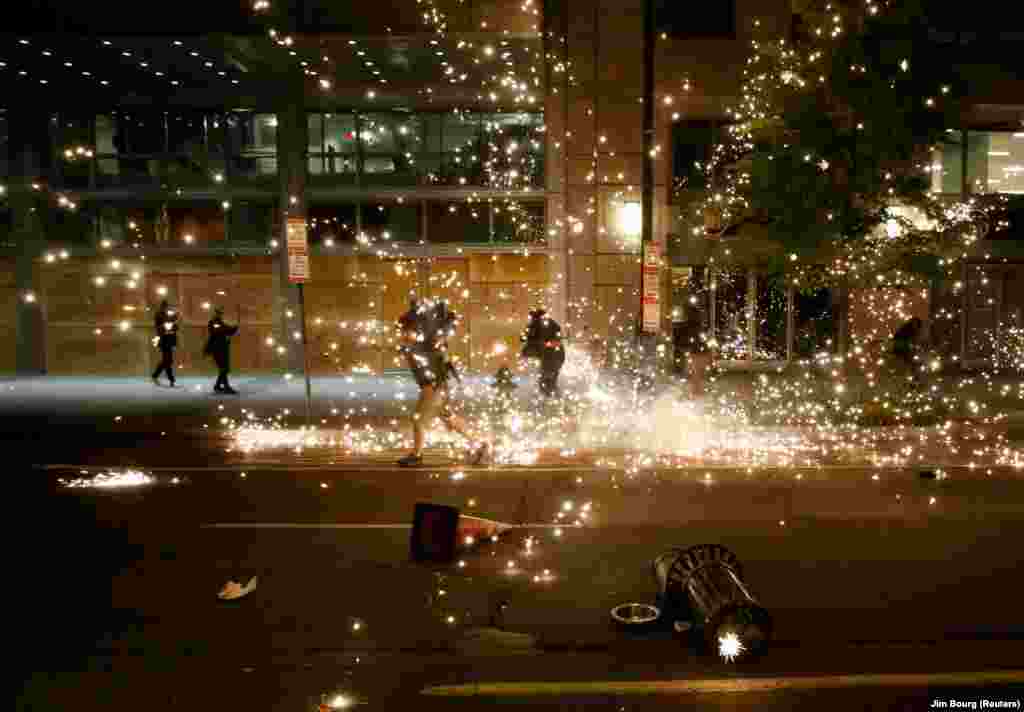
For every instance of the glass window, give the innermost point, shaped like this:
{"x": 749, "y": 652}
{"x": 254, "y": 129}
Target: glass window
{"x": 947, "y": 164}
{"x": 137, "y": 223}
{"x": 995, "y": 161}
{"x": 461, "y": 133}
{"x": 332, "y": 224}
{"x": 123, "y": 141}
{"x": 138, "y": 132}
{"x": 105, "y": 130}
{"x": 315, "y": 161}
{"x": 194, "y": 224}
{"x": 186, "y": 133}
{"x": 246, "y": 132}
{"x": 717, "y": 19}
{"x": 814, "y": 324}
{"x": 693, "y": 141}
{"x": 377, "y": 133}
{"x": 4, "y": 145}
{"x": 315, "y": 131}
{"x": 6, "y": 222}
{"x": 69, "y": 226}
{"x": 265, "y": 132}
{"x": 771, "y": 319}
{"x": 251, "y": 221}
{"x": 518, "y": 222}
{"x": 74, "y": 141}
{"x": 216, "y": 129}
{"x": 332, "y": 146}
{"x": 252, "y": 144}
{"x": 75, "y": 131}
{"x": 392, "y": 221}
{"x": 340, "y": 133}
{"x": 431, "y": 132}
{"x": 459, "y": 222}
{"x": 513, "y": 147}
{"x": 391, "y": 144}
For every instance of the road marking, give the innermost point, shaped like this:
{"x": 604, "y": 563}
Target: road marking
{"x": 355, "y": 467}
{"x": 727, "y": 685}
{"x": 329, "y": 525}
{"x": 299, "y": 525}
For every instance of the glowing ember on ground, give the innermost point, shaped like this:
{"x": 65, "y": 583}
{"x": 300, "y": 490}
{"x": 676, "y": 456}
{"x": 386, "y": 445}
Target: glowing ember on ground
{"x": 112, "y": 479}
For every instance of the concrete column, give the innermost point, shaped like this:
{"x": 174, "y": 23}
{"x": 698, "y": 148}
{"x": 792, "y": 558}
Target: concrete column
{"x": 292, "y": 142}
{"x": 965, "y": 309}
{"x": 843, "y": 318}
{"x": 30, "y": 141}
{"x": 31, "y": 323}
{"x": 751, "y": 315}
{"x": 790, "y": 321}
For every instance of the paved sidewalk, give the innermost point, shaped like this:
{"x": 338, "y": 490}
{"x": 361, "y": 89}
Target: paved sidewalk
{"x": 72, "y": 397}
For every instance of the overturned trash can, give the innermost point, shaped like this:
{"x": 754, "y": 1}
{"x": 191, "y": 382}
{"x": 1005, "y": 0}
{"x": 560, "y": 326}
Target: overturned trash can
{"x": 704, "y": 585}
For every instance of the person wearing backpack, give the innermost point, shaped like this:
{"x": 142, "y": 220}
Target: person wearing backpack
{"x": 542, "y": 341}
{"x": 425, "y": 329}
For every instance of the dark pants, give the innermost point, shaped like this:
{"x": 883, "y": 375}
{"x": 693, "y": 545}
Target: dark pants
{"x": 551, "y": 363}
{"x": 166, "y": 364}
{"x": 223, "y": 362}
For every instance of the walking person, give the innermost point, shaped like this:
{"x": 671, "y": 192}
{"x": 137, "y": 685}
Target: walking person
{"x": 425, "y": 329}
{"x": 166, "y": 324}
{"x": 331, "y": 153}
{"x": 218, "y": 345}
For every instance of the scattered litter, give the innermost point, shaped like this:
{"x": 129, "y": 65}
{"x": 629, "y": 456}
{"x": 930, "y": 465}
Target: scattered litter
{"x": 233, "y": 590}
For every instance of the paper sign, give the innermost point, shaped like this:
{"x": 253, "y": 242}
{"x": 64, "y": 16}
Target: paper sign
{"x": 651, "y": 295}
{"x": 298, "y": 251}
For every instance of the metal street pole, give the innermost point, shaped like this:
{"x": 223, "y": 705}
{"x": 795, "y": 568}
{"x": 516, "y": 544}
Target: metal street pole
{"x": 647, "y": 207}
{"x": 647, "y": 339}
{"x": 305, "y": 357}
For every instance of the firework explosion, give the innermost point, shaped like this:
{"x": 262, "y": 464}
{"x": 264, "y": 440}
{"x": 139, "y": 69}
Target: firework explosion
{"x": 817, "y": 412}
{"x": 111, "y": 480}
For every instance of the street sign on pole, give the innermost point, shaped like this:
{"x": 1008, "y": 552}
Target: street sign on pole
{"x": 651, "y": 294}
{"x": 298, "y": 273}
{"x": 298, "y": 251}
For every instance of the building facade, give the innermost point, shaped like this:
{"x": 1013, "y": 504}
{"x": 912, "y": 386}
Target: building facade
{"x": 497, "y": 164}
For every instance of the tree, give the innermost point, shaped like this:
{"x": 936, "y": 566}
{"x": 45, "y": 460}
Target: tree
{"x": 830, "y": 147}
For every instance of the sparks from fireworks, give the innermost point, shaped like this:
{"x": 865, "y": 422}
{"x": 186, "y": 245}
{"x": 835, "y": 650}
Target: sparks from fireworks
{"x": 730, "y": 646}
{"x": 112, "y": 480}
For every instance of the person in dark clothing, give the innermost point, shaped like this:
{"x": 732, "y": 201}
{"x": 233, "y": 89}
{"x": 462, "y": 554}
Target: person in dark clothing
{"x": 331, "y": 153}
{"x": 425, "y": 329}
{"x": 542, "y": 341}
{"x": 905, "y": 343}
{"x": 166, "y": 324}
{"x": 218, "y": 345}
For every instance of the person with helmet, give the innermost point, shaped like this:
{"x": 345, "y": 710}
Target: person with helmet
{"x": 542, "y": 341}
{"x": 166, "y": 323}
{"x": 218, "y": 345}
{"x": 425, "y": 329}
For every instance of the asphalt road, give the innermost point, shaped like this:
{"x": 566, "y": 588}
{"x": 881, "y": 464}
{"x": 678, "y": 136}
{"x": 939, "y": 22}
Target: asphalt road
{"x": 118, "y": 610}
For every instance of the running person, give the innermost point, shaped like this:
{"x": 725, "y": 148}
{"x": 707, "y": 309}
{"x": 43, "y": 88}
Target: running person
{"x": 425, "y": 329}
{"x": 542, "y": 341}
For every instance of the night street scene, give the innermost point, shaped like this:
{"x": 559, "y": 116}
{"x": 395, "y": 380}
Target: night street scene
{"x": 558, "y": 354}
